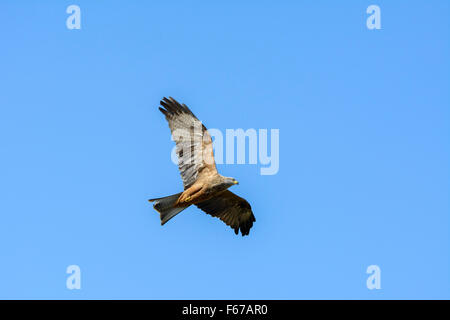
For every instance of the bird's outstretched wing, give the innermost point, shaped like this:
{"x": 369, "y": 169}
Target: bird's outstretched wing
{"x": 193, "y": 142}
{"x": 235, "y": 211}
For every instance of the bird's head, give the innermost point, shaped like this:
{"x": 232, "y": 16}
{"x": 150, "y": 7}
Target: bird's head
{"x": 230, "y": 181}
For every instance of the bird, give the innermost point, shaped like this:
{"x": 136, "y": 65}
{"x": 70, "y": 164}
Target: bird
{"x": 204, "y": 187}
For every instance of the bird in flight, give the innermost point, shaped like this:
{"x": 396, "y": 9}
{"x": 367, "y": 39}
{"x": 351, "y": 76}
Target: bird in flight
{"x": 204, "y": 187}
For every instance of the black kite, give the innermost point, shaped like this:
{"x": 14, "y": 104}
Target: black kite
{"x": 203, "y": 185}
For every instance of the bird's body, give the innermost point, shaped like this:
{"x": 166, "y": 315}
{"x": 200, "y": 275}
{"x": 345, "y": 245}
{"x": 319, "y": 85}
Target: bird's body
{"x": 201, "y": 191}
{"x": 203, "y": 185}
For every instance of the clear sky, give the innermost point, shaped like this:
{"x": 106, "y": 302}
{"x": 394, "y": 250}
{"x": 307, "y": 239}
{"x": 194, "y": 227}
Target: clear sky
{"x": 363, "y": 117}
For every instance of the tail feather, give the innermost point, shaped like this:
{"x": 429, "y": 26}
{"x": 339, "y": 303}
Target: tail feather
{"x": 165, "y": 207}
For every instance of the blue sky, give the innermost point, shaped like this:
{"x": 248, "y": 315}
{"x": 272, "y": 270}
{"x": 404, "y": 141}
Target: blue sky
{"x": 364, "y": 148}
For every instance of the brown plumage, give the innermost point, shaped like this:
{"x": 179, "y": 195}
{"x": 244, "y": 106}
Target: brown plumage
{"x": 203, "y": 185}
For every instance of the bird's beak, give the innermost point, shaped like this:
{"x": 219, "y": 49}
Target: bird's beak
{"x": 235, "y": 182}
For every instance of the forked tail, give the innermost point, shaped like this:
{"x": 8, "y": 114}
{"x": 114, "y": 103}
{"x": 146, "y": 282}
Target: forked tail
{"x": 165, "y": 207}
